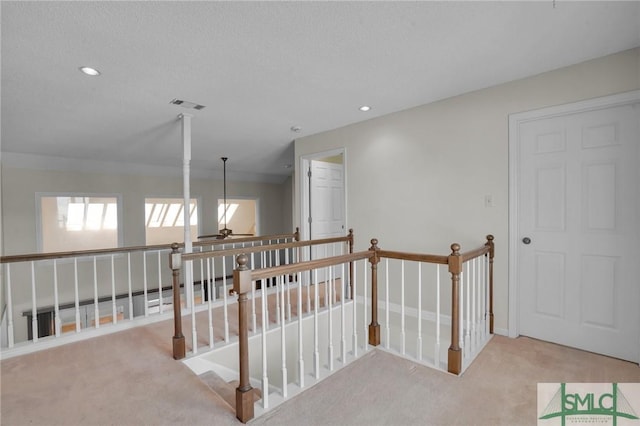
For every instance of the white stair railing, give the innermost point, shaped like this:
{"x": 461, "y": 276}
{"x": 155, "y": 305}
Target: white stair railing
{"x": 56, "y": 298}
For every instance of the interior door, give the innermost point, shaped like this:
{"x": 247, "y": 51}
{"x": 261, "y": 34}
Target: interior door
{"x": 327, "y": 193}
{"x": 579, "y": 213}
{"x": 327, "y": 209}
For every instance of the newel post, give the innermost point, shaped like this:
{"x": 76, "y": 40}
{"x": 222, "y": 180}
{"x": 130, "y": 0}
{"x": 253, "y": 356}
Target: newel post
{"x": 296, "y": 235}
{"x": 175, "y": 263}
{"x": 244, "y": 391}
{"x": 491, "y": 254}
{"x": 374, "y": 327}
{"x": 454, "y": 364}
{"x": 350, "y": 242}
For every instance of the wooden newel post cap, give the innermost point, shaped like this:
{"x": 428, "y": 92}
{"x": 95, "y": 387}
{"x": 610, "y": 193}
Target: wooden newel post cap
{"x": 455, "y": 249}
{"x": 242, "y": 262}
{"x": 175, "y": 259}
{"x": 374, "y": 244}
{"x": 242, "y": 275}
{"x": 490, "y": 237}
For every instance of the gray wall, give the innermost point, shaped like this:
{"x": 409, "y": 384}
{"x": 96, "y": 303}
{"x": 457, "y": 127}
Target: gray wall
{"x": 416, "y": 179}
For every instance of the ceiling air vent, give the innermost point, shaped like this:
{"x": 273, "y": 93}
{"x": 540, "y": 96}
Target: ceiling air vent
{"x": 187, "y": 104}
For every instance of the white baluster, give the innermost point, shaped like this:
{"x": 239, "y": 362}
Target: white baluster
{"x": 402, "y": 316}
{"x": 461, "y": 313}
{"x": 467, "y": 335}
{"x": 191, "y": 296}
{"x": 486, "y": 297}
{"x": 333, "y": 283}
{"x": 436, "y": 352}
{"x": 224, "y": 298}
{"x": 10, "y": 335}
{"x": 209, "y": 305}
{"x": 77, "y": 299}
{"x": 474, "y": 304}
{"x": 288, "y": 284}
{"x": 354, "y": 293}
{"x": 278, "y": 290}
{"x": 330, "y": 315}
{"x": 265, "y": 321}
{"x": 160, "y": 295}
{"x": 34, "y": 306}
{"x": 114, "y": 308}
{"x": 316, "y": 352}
{"x": 419, "y": 343}
{"x": 96, "y": 309}
{"x": 263, "y": 286}
{"x": 299, "y": 258}
{"x": 387, "y": 343}
{"x": 56, "y": 301}
{"x": 326, "y": 279}
{"x": 129, "y": 283}
{"x": 253, "y": 297}
{"x": 283, "y": 348}
{"x": 144, "y": 283}
{"x": 364, "y": 305}
{"x": 343, "y": 332}
{"x": 213, "y": 278}
{"x": 202, "y": 284}
{"x": 300, "y": 352}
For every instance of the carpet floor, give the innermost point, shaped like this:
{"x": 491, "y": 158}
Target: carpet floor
{"x": 130, "y": 378}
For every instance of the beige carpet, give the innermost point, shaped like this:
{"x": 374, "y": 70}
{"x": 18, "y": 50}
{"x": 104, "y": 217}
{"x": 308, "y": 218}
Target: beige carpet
{"x": 129, "y": 378}
{"x": 498, "y": 389}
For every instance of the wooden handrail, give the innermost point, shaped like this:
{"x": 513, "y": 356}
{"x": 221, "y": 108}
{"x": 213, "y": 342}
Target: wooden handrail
{"x": 254, "y": 249}
{"x": 97, "y": 252}
{"x": 207, "y": 240}
{"x": 259, "y": 274}
{"x": 427, "y": 258}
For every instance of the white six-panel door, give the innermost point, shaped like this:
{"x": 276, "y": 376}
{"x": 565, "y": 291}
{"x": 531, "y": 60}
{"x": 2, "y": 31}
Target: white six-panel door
{"x": 578, "y": 231}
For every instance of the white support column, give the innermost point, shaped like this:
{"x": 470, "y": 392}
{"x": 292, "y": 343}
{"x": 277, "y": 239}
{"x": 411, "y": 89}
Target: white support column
{"x": 186, "y": 172}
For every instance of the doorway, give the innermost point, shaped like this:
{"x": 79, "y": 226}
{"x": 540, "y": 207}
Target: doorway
{"x": 323, "y": 194}
{"x": 574, "y": 214}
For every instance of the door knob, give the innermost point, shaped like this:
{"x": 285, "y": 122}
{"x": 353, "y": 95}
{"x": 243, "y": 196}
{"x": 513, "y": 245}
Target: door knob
{"x": 526, "y": 240}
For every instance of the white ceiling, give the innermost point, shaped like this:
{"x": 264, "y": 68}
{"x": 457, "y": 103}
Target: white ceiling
{"x": 262, "y": 67}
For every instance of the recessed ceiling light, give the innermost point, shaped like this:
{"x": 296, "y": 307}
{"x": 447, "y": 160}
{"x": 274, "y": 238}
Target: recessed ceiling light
{"x": 90, "y": 71}
{"x": 365, "y": 108}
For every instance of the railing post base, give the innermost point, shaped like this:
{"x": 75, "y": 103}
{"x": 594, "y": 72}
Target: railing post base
{"x": 179, "y": 348}
{"x": 374, "y": 334}
{"x": 454, "y": 364}
{"x": 244, "y": 404}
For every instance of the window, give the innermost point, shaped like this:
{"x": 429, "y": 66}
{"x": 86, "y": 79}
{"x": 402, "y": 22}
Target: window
{"x": 78, "y": 222}
{"x": 164, "y": 220}
{"x": 240, "y": 216}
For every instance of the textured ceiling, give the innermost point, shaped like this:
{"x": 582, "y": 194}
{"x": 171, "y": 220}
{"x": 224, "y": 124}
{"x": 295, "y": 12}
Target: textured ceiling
{"x": 262, "y": 67}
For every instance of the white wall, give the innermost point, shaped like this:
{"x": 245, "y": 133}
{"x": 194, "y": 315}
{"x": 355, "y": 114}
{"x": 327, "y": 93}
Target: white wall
{"x": 416, "y": 179}
{"x": 20, "y": 186}
{"x": 19, "y": 218}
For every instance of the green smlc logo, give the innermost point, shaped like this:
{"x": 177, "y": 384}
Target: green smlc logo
{"x": 612, "y": 404}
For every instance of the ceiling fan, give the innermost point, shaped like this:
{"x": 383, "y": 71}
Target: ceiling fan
{"x": 224, "y": 232}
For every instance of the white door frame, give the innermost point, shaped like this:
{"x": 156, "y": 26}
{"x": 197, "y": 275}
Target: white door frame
{"x": 515, "y": 120}
{"x": 305, "y": 161}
